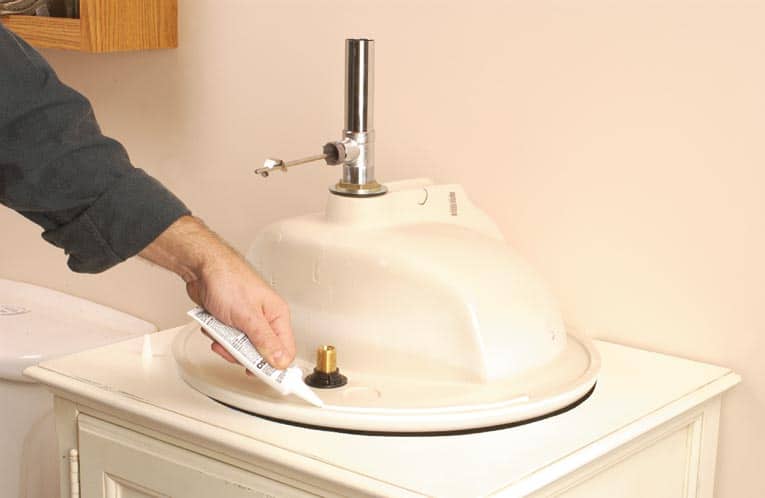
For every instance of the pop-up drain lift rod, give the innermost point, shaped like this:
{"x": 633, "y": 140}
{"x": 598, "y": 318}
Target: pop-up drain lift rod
{"x": 356, "y": 149}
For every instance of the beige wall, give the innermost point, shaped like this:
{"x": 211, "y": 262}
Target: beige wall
{"x": 618, "y": 144}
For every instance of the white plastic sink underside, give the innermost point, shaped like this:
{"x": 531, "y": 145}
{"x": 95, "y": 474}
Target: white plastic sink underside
{"x": 390, "y": 404}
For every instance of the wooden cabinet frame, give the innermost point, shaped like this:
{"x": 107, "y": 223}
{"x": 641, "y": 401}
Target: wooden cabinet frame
{"x": 104, "y": 26}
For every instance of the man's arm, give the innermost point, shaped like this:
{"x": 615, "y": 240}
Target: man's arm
{"x": 60, "y": 171}
{"x": 219, "y": 280}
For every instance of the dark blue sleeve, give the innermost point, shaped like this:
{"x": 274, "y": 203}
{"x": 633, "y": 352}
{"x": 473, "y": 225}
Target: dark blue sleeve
{"x": 60, "y": 171}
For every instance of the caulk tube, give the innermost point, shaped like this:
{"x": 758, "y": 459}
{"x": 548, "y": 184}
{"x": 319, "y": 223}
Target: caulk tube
{"x": 236, "y": 342}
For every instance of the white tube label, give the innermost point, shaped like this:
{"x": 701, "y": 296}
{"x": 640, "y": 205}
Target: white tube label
{"x": 231, "y": 338}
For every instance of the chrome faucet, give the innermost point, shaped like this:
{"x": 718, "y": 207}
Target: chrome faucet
{"x": 355, "y": 151}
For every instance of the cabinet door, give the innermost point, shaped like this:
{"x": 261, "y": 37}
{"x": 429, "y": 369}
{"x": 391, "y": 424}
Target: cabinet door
{"x": 674, "y": 460}
{"x": 119, "y": 463}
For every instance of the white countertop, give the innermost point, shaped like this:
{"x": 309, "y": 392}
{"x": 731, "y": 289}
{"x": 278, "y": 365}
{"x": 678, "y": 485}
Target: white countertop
{"x": 637, "y": 390}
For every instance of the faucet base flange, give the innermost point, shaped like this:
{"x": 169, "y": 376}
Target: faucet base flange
{"x": 354, "y": 190}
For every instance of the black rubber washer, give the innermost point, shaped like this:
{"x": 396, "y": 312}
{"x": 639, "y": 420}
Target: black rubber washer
{"x": 324, "y": 380}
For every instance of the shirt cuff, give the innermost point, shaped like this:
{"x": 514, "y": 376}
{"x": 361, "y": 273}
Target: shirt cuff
{"x": 119, "y": 224}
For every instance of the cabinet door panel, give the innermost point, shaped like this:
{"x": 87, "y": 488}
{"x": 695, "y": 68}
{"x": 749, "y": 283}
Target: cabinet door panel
{"x": 115, "y": 487}
{"x": 663, "y": 463}
{"x": 119, "y": 463}
{"x": 658, "y": 471}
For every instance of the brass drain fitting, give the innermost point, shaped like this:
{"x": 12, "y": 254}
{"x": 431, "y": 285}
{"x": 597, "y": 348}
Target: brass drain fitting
{"x": 326, "y": 375}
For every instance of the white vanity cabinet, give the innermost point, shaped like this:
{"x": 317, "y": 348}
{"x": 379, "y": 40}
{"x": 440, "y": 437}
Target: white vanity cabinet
{"x": 116, "y": 462}
{"x": 648, "y": 430}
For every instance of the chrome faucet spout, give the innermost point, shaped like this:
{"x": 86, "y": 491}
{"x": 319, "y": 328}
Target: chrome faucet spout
{"x": 358, "y": 136}
{"x": 355, "y": 151}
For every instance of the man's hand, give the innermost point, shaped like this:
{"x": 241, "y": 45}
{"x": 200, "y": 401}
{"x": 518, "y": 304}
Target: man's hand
{"x": 222, "y": 282}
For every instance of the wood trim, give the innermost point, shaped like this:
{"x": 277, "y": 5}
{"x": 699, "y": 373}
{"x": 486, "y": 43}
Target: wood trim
{"x": 104, "y": 26}
{"x": 46, "y": 32}
{"x": 116, "y": 25}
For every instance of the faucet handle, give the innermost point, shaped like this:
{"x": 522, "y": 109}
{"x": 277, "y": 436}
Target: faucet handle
{"x": 271, "y": 164}
{"x": 333, "y": 153}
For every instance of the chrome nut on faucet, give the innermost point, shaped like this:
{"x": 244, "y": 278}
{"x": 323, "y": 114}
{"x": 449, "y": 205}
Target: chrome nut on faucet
{"x": 341, "y": 152}
{"x": 356, "y": 150}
